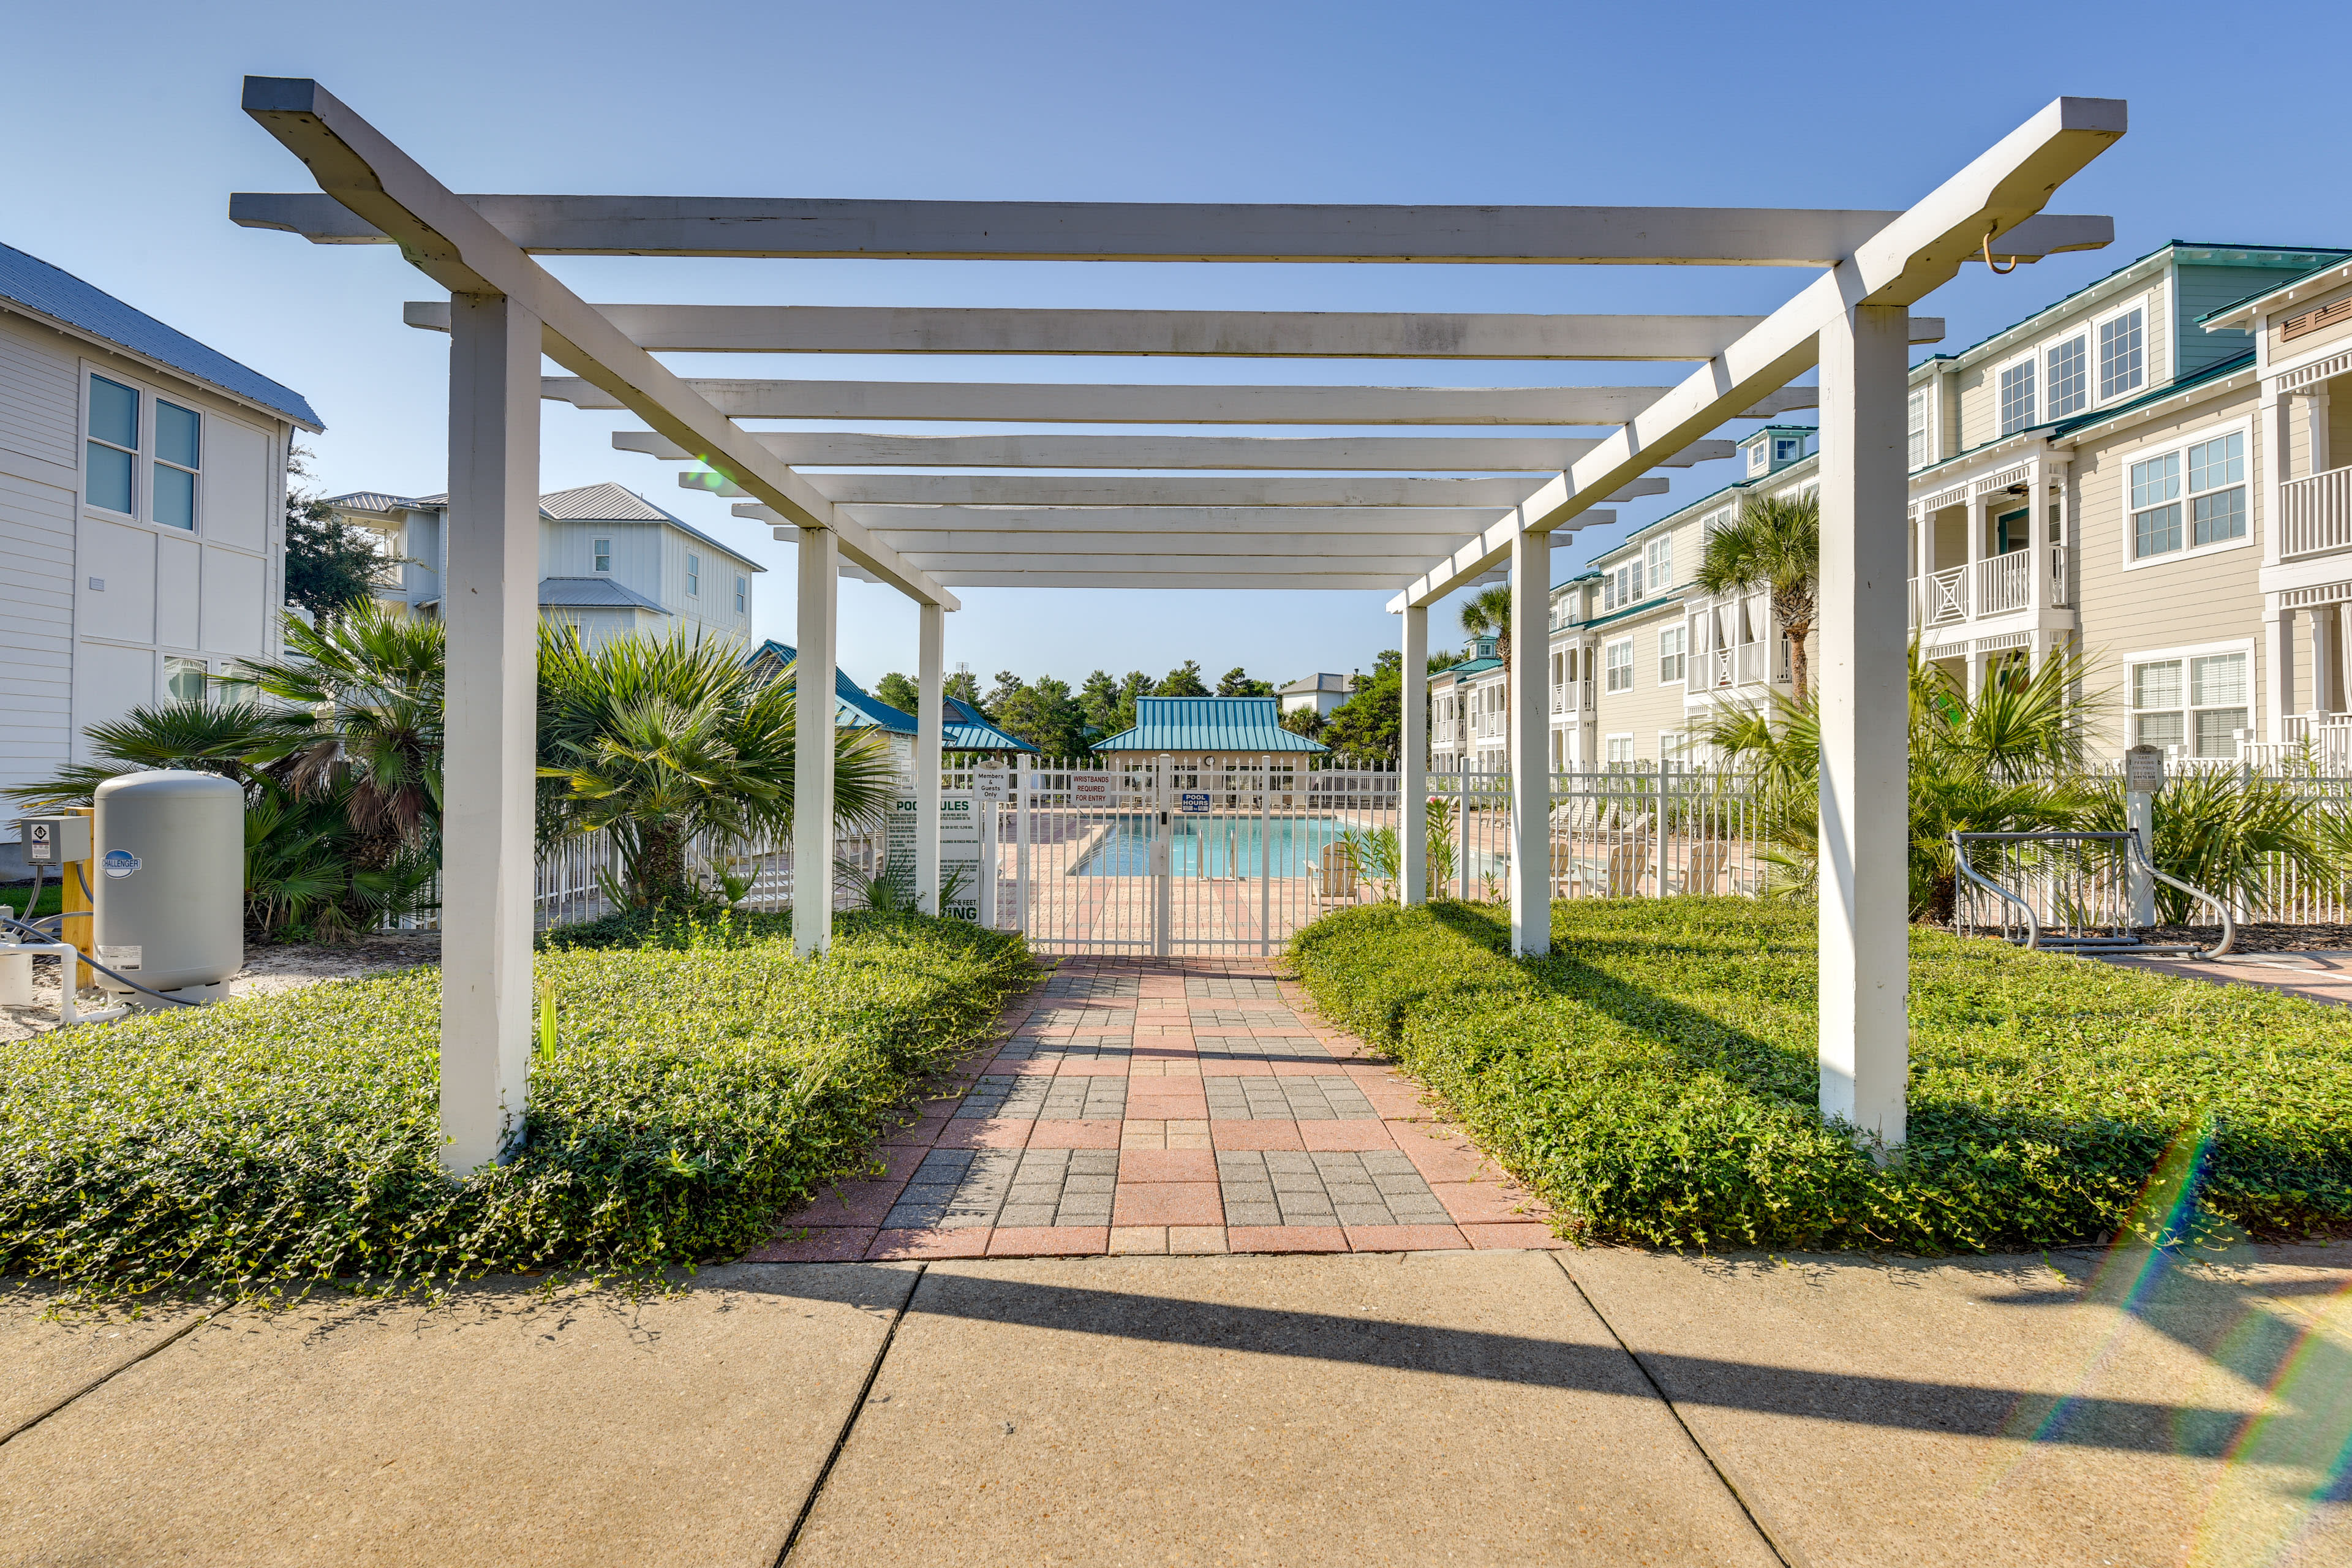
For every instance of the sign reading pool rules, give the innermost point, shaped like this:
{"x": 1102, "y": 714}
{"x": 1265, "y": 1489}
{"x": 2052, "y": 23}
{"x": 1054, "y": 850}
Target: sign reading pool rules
{"x": 959, "y": 847}
{"x": 1193, "y": 803}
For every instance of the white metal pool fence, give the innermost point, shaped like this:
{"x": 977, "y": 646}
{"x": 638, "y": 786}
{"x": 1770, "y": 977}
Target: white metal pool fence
{"x": 1178, "y": 855}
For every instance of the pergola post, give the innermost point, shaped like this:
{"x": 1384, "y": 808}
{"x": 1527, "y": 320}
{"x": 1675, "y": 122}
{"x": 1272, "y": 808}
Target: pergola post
{"x": 1530, "y": 723}
{"x": 820, "y": 587}
{"x": 490, "y": 746}
{"x": 1864, "y": 919}
{"x": 930, "y": 742}
{"x": 1412, "y": 761}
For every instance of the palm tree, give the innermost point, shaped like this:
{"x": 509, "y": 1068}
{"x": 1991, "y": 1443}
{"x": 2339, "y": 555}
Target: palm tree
{"x": 1488, "y": 614}
{"x": 358, "y": 704}
{"x": 1775, "y": 543}
{"x": 2007, "y": 760}
{"x": 663, "y": 740}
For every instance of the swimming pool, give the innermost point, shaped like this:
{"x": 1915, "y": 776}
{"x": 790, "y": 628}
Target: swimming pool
{"x": 1231, "y": 846}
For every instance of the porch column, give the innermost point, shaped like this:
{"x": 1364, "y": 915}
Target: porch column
{"x": 2278, "y": 645}
{"x": 1530, "y": 721}
{"x": 491, "y": 605}
{"x": 2311, "y": 405}
{"x": 1412, "y": 763}
{"x": 820, "y": 588}
{"x": 930, "y": 741}
{"x": 2272, "y": 426}
{"x": 1865, "y": 914}
{"x": 2327, "y": 680}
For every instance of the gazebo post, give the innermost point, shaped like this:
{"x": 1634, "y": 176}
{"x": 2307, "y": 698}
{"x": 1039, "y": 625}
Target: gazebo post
{"x": 1412, "y": 761}
{"x": 820, "y": 586}
{"x": 1530, "y": 729}
{"x": 491, "y": 756}
{"x": 930, "y": 742}
{"x": 1864, "y": 905}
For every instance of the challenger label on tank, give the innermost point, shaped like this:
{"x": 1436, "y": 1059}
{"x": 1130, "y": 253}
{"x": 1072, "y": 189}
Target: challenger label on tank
{"x": 121, "y": 957}
{"x": 120, "y": 863}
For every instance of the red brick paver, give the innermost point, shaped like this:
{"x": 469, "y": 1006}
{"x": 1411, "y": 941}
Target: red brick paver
{"x": 1239, "y": 1121}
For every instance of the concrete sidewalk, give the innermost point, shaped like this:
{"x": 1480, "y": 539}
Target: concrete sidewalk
{"x": 1466, "y": 1407}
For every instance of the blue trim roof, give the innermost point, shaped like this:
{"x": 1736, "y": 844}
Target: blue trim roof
{"x": 966, "y": 728}
{"x": 52, "y": 291}
{"x": 1208, "y": 724}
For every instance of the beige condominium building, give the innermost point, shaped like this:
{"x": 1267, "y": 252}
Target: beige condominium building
{"x": 2140, "y": 471}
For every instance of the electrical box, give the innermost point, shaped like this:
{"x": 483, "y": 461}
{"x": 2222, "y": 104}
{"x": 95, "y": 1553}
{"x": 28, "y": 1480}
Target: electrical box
{"x": 55, "y": 841}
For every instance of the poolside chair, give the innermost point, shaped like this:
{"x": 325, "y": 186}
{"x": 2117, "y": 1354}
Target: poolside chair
{"x": 1709, "y": 862}
{"x": 1335, "y": 875}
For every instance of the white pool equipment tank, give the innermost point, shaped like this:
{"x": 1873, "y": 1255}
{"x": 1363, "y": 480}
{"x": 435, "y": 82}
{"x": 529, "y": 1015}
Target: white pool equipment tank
{"x": 169, "y": 851}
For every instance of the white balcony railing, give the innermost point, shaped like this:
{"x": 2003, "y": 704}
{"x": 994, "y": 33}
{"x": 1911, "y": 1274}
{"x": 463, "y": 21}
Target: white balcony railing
{"x": 1995, "y": 586}
{"x": 2315, "y": 513}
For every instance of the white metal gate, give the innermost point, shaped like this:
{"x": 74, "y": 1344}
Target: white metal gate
{"x": 1167, "y": 854}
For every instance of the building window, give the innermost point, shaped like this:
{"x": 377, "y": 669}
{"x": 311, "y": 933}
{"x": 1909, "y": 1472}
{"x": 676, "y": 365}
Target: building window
{"x": 179, "y": 453}
{"x": 742, "y": 595}
{"x": 603, "y": 555}
{"x": 2070, "y": 377}
{"x": 1618, "y": 662}
{"x": 1658, "y": 564}
{"x": 2210, "y": 510}
{"x": 694, "y": 576}
{"x": 1670, "y": 653}
{"x": 1916, "y": 427}
{"x": 2198, "y": 702}
{"x": 1621, "y": 748}
{"x": 1788, "y": 448}
{"x": 1622, "y": 587}
{"x": 183, "y": 680}
{"x": 114, "y": 445}
{"x": 2119, "y": 354}
{"x": 2017, "y": 396}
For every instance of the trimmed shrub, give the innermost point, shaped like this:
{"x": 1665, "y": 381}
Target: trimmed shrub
{"x": 1655, "y": 1079}
{"x": 696, "y": 1081}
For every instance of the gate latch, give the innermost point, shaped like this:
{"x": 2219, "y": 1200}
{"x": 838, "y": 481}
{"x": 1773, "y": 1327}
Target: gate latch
{"x": 1163, "y": 819}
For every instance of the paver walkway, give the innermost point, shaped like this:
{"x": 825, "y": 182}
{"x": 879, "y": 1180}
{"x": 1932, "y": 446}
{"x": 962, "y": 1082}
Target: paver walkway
{"x": 2320, "y": 976}
{"x": 1168, "y": 1105}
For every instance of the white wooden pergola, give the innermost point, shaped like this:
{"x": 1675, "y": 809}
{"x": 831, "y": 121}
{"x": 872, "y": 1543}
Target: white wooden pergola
{"x": 1406, "y": 511}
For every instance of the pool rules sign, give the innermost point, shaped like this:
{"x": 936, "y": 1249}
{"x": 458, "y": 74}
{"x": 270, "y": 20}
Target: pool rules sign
{"x": 959, "y": 849}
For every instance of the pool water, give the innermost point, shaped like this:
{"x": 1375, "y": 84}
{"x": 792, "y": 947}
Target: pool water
{"x": 1215, "y": 846}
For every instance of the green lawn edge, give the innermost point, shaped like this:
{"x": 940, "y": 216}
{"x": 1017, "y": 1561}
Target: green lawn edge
{"x": 701, "y": 1080}
{"x": 1654, "y": 1081}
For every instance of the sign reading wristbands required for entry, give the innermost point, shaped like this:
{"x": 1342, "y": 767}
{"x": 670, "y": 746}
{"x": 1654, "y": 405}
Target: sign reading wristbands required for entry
{"x": 1091, "y": 792}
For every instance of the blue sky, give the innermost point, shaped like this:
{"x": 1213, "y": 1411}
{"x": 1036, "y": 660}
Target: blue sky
{"x": 124, "y": 149}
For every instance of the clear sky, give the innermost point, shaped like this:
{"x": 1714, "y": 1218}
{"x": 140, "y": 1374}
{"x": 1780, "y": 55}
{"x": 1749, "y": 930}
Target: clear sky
{"x": 126, "y": 141}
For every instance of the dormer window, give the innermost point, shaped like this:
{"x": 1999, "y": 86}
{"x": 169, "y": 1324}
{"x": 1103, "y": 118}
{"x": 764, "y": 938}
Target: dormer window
{"x": 1788, "y": 448}
{"x": 1758, "y": 458}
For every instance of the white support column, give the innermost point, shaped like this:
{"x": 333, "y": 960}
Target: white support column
{"x": 2327, "y": 680}
{"x": 2312, "y": 405}
{"x": 491, "y": 604}
{"x": 1412, "y": 765}
{"x": 930, "y": 740}
{"x": 2273, "y": 430}
{"x": 2278, "y": 645}
{"x": 1864, "y": 915}
{"x": 1529, "y": 720}
{"x": 820, "y": 587}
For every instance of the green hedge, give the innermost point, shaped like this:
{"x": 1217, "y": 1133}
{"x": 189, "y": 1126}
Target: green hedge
{"x": 1655, "y": 1079}
{"x": 699, "y": 1081}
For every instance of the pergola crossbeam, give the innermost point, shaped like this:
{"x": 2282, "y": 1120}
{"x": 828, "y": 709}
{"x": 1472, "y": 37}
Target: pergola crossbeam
{"x": 1424, "y": 454}
{"x": 1012, "y": 402}
{"x": 1152, "y": 231}
{"x": 1218, "y": 334}
{"x": 1174, "y": 489}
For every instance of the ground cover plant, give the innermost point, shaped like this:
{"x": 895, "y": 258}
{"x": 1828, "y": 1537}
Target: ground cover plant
{"x": 1655, "y": 1079}
{"x": 689, "y": 1080}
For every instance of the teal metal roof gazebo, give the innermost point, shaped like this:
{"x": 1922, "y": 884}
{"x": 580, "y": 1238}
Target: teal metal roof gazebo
{"x": 1252, "y": 724}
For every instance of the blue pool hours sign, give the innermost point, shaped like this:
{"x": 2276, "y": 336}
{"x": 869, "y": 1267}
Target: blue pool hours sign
{"x": 1192, "y": 802}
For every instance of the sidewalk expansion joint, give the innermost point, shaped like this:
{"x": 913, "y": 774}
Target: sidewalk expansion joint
{"x": 849, "y": 1422}
{"x": 104, "y": 1378}
{"x": 1786, "y": 1555}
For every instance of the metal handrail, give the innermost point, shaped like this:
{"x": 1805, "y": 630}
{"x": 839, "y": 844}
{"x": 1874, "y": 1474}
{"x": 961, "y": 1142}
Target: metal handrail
{"x": 2137, "y": 850}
